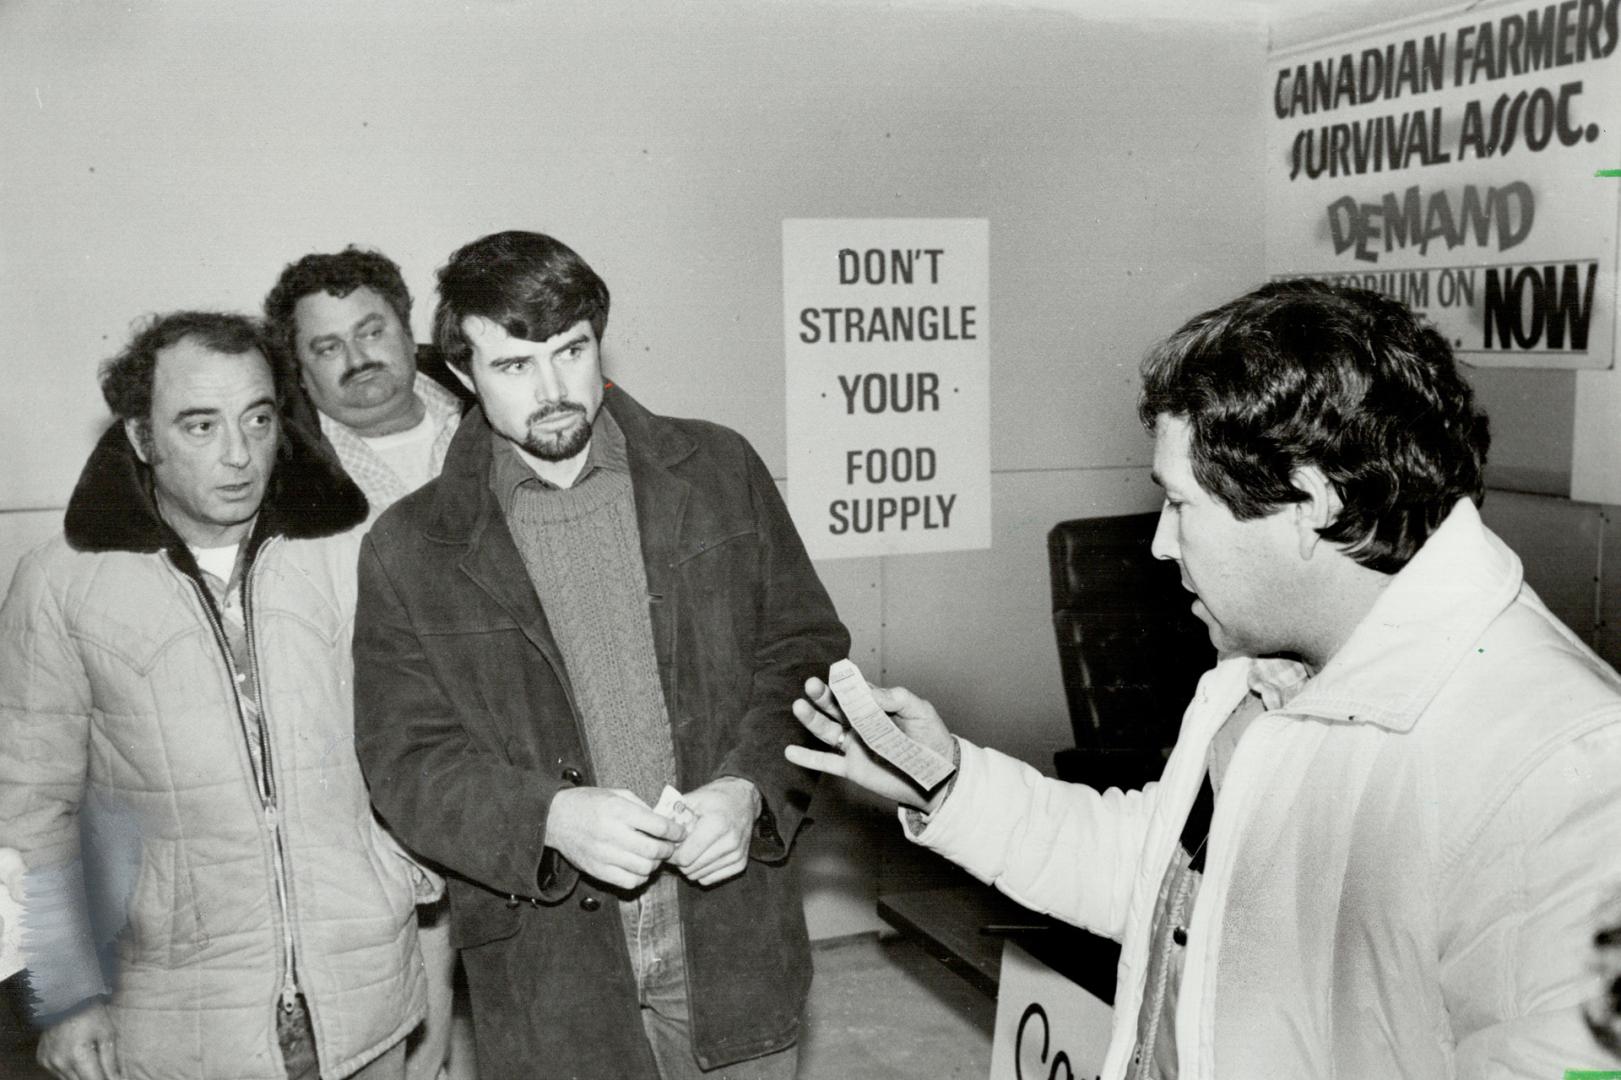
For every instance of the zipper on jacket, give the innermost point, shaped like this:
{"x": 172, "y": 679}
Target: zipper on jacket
{"x": 264, "y": 774}
{"x": 289, "y": 989}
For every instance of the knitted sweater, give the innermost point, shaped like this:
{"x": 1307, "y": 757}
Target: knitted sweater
{"x": 582, "y": 548}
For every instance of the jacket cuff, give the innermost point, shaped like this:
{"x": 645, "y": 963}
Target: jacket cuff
{"x": 767, "y": 844}
{"x": 913, "y": 820}
{"x": 555, "y": 877}
{"x": 920, "y": 826}
{"x": 785, "y": 795}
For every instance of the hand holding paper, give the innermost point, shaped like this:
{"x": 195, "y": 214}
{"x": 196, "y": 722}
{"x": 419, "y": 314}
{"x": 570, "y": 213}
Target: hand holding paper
{"x": 922, "y": 765}
{"x": 610, "y": 834}
{"x": 722, "y": 814}
{"x": 671, "y": 806}
{"x": 905, "y": 727}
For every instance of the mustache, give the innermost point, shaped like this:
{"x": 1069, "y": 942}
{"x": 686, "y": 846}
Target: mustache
{"x": 355, "y": 373}
{"x": 552, "y": 408}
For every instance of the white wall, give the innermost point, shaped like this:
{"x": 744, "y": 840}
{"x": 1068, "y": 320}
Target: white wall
{"x": 178, "y": 154}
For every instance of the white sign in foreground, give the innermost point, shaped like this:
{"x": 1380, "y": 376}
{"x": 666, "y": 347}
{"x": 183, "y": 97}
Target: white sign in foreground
{"x": 1047, "y": 1028}
{"x": 886, "y": 325}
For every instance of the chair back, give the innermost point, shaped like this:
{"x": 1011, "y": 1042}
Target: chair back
{"x": 1129, "y": 648}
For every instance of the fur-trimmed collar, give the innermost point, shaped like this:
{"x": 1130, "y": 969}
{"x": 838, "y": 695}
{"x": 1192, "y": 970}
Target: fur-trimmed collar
{"x": 309, "y": 496}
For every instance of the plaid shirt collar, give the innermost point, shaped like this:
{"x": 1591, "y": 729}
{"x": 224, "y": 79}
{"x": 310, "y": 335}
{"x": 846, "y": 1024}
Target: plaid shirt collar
{"x": 381, "y": 485}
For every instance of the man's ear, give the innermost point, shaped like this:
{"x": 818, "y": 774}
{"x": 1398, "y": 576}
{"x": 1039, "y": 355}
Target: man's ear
{"x": 136, "y": 432}
{"x": 1317, "y": 511}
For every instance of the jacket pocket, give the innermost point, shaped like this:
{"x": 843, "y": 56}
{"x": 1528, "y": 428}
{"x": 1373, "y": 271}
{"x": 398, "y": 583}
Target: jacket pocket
{"x": 715, "y": 544}
{"x": 717, "y": 613}
{"x": 489, "y": 679}
{"x": 390, "y": 868}
{"x": 163, "y": 924}
{"x": 478, "y": 916}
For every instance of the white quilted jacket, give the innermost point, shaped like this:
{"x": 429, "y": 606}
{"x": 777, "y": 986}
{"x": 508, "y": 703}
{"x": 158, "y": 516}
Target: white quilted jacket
{"x": 119, "y": 728}
{"x": 1405, "y": 864}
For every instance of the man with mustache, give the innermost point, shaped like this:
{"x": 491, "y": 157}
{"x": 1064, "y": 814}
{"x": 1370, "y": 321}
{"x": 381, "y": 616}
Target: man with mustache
{"x": 344, "y": 319}
{"x": 1392, "y": 815}
{"x": 207, "y": 891}
{"x": 591, "y": 603}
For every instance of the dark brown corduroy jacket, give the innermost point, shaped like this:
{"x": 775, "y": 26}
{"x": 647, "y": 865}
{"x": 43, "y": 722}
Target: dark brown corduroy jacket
{"x": 467, "y": 729}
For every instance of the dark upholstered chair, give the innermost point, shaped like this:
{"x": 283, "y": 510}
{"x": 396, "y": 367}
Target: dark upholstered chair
{"x": 1129, "y": 648}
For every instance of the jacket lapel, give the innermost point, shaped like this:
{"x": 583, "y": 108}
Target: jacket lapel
{"x": 465, "y": 514}
{"x": 493, "y": 563}
{"x": 661, "y": 505}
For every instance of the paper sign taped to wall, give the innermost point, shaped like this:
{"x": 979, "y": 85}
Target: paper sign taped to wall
{"x": 886, "y": 341}
{"x": 1459, "y": 163}
{"x": 926, "y": 768}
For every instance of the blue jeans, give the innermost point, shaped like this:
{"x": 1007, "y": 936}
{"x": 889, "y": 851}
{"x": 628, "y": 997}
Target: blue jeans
{"x": 653, "y": 932}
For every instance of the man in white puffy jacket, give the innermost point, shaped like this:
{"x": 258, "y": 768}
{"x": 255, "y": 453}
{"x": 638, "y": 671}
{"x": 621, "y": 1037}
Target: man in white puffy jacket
{"x": 207, "y": 893}
{"x": 1415, "y": 770}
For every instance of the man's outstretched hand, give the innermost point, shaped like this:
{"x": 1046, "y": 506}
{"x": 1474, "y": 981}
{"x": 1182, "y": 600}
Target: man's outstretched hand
{"x": 850, "y": 758}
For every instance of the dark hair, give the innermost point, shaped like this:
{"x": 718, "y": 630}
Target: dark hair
{"x": 126, "y": 379}
{"x": 337, "y": 274}
{"x": 1303, "y": 372}
{"x": 529, "y": 284}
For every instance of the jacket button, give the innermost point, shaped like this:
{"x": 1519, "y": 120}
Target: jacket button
{"x": 512, "y": 901}
{"x": 572, "y": 775}
{"x": 589, "y": 903}
{"x": 1180, "y": 936}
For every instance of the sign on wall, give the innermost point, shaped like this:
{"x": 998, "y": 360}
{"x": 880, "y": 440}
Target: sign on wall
{"x": 1454, "y": 163}
{"x": 887, "y": 327}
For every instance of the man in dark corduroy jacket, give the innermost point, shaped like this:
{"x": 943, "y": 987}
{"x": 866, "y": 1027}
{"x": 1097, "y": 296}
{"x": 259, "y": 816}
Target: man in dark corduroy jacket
{"x": 592, "y": 603}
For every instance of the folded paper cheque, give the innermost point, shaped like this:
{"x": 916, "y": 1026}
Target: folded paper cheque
{"x": 926, "y": 768}
{"x": 672, "y": 805}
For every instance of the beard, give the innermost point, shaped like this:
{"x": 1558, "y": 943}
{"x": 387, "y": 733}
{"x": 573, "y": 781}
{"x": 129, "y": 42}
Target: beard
{"x": 564, "y": 444}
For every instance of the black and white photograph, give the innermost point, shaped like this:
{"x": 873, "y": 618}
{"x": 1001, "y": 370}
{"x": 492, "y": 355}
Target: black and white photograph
{"x": 810, "y": 539}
